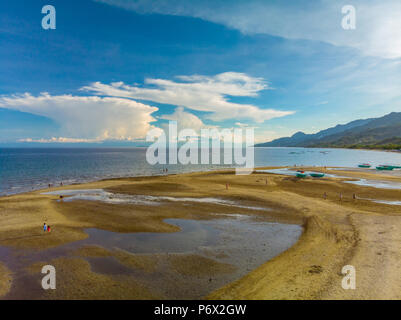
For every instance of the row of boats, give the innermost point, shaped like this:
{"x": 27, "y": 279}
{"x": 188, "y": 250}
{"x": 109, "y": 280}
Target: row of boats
{"x": 381, "y": 167}
{"x": 303, "y": 174}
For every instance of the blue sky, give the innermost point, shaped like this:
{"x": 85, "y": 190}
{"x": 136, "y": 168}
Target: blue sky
{"x": 114, "y": 69}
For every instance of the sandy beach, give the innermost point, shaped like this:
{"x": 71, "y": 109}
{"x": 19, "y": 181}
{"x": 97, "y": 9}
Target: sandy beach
{"x": 357, "y": 232}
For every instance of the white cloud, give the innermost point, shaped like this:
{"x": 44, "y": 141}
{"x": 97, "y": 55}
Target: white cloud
{"x": 93, "y": 118}
{"x": 201, "y": 93}
{"x": 112, "y": 114}
{"x": 60, "y": 140}
{"x": 378, "y": 28}
{"x": 241, "y": 125}
{"x": 184, "y": 119}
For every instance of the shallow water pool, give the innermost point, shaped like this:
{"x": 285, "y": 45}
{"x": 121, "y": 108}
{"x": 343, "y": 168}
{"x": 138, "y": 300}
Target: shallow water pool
{"x": 242, "y": 241}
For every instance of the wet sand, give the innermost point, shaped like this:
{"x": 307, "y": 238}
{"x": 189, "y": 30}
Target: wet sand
{"x": 360, "y": 232}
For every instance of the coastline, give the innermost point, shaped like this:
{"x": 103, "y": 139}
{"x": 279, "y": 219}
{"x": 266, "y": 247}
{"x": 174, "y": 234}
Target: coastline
{"x": 333, "y": 147}
{"x": 15, "y": 183}
{"x": 336, "y": 233}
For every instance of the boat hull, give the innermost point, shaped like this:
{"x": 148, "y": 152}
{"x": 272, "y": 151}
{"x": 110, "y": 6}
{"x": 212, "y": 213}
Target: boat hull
{"x": 317, "y": 175}
{"x": 385, "y": 168}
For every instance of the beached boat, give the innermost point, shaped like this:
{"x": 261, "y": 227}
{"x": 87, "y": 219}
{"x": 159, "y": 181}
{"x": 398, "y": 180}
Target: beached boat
{"x": 393, "y": 167}
{"x": 317, "y": 175}
{"x": 301, "y": 175}
{"x": 388, "y": 168}
{"x": 364, "y": 165}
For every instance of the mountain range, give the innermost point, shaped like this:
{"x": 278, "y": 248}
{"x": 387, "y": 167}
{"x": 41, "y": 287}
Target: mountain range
{"x": 375, "y": 133}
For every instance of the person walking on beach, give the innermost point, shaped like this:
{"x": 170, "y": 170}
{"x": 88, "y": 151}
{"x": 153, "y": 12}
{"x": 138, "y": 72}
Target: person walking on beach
{"x": 44, "y": 227}
{"x": 48, "y": 229}
{"x": 325, "y": 196}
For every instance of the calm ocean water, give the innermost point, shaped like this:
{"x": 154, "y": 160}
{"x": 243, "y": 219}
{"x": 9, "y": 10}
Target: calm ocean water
{"x": 28, "y": 169}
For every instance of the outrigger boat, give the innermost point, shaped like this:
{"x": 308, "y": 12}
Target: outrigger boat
{"x": 382, "y": 167}
{"x": 393, "y": 167}
{"x": 301, "y": 174}
{"x": 317, "y": 175}
{"x": 364, "y": 165}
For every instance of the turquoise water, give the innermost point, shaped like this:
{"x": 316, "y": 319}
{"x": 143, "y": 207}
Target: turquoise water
{"x": 30, "y": 169}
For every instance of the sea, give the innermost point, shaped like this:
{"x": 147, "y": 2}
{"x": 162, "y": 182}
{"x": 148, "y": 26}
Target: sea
{"x": 27, "y": 169}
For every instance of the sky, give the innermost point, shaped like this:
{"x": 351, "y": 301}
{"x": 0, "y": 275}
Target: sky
{"x": 114, "y": 69}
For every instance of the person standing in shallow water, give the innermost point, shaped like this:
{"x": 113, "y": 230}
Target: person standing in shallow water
{"x": 44, "y": 227}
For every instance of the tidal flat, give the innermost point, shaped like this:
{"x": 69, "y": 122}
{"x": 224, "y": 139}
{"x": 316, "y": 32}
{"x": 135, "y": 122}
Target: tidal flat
{"x": 203, "y": 235}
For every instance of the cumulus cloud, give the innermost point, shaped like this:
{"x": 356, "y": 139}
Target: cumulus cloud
{"x": 113, "y": 114}
{"x": 184, "y": 119}
{"x": 87, "y": 119}
{"x": 378, "y": 31}
{"x": 201, "y": 93}
{"x": 241, "y": 125}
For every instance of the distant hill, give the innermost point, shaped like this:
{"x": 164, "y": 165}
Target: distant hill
{"x": 384, "y": 132}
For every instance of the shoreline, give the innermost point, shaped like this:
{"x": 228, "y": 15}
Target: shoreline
{"x": 335, "y": 233}
{"x": 83, "y": 182}
{"x": 343, "y": 148}
{"x": 22, "y": 186}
